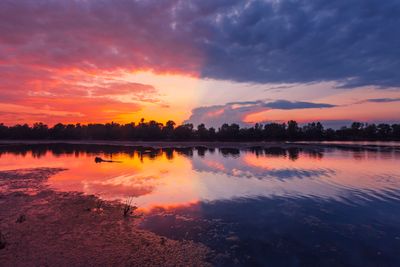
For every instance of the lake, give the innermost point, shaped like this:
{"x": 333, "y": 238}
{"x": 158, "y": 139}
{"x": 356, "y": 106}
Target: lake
{"x": 292, "y": 205}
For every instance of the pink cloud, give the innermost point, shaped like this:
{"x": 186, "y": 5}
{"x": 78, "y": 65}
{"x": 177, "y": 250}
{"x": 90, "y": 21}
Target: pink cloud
{"x": 95, "y": 35}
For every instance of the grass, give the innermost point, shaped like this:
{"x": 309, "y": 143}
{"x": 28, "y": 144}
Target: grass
{"x": 21, "y": 219}
{"x": 2, "y": 241}
{"x": 99, "y": 205}
{"x": 128, "y": 207}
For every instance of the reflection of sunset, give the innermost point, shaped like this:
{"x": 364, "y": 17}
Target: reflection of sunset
{"x": 167, "y": 182}
{"x": 358, "y": 174}
{"x": 215, "y": 165}
{"x": 156, "y": 178}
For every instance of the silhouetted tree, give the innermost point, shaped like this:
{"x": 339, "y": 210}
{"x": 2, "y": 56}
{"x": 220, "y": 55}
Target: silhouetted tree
{"x": 184, "y": 132}
{"x": 274, "y": 131}
{"x": 154, "y": 130}
{"x": 396, "y": 131}
{"x": 212, "y": 134}
{"x": 202, "y": 132}
{"x": 384, "y": 130}
{"x": 313, "y": 131}
{"x": 168, "y": 129}
{"x": 293, "y": 130}
{"x": 229, "y": 132}
{"x": 370, "y": 131}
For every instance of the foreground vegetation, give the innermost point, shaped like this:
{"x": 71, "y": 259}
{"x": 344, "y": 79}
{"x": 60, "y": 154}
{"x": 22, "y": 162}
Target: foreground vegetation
{"x": 153, "y": 130}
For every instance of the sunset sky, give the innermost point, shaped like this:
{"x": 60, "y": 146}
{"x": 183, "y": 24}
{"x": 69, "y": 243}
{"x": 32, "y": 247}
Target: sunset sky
{"x": 209, "y": 61}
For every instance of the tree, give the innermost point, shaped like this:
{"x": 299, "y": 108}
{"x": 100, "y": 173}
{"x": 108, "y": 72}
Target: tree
{"x": 202, "y": 132}
{"x": 370, "y": 131}
{"x": 184, "y": 132}
{"x": 384, "y": 130}
{"x": 168, "y": 130}
{"x": 229, "y": 132}
{"x": 274, "y": 131}
{"x": 396, "y": 131}
{"x": 313, "y": 131}
{"x": 293, "y": 130}
{"x": 154, "y": 130}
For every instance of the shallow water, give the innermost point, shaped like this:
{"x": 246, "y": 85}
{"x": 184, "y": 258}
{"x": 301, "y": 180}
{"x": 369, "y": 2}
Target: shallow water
{"x": 321, "y": 206}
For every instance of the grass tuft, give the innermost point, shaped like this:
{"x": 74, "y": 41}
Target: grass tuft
{"x": 21, "y": 218}
{"x": 128, "y": 207}
{"x": 3, "y": 242}
{"x": 99, "y": 205}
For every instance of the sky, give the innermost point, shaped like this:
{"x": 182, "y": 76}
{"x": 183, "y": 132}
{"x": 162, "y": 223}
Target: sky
{"x": 205, "y": 61}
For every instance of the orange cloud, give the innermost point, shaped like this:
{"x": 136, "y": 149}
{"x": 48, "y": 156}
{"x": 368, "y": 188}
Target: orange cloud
{"x": 66, "y": 61}
{"x": 29, "y": 95}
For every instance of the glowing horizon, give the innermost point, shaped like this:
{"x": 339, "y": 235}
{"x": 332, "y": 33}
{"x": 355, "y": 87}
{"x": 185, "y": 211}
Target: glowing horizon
{"x": 90, "y": 62}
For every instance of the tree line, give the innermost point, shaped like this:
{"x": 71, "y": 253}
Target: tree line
{"x": 155, "y": 131}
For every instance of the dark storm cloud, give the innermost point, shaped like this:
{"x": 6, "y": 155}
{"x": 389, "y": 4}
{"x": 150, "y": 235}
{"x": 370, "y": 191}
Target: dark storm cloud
{"x": 235, "y": 112}
{"x": 379, "y": 100}
{"x": 382, "y": 100}
{"x": 353, "y": 42}
{"x": 283, "y": 104}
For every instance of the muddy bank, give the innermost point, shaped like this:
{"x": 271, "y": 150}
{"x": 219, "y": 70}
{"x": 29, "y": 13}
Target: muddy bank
{"x": 41, "y": 227}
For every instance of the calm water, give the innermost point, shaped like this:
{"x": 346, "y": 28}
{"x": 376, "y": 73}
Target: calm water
{"x": 253, "y": 207}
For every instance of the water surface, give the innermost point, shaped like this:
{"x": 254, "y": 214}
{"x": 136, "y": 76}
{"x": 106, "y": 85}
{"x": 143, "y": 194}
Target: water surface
{"x": 296, "y": 206}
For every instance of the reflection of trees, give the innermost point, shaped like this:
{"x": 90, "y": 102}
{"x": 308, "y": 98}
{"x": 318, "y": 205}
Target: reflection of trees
{"x": 315, "y": 154}
{"x": 169, "y": 153}
{"x": 274, "y": 151}
{"x": 148, "y": 152}
{"x": 201, "y": 151}
{"x": 38, "y": 153}
{"x": 359, "y": 154}
{"x": 155, "y": 153}
{"x": 110, "y": 151}
{"x": 187, "y": 151}
{"x": 230, "y": 152}
{"x": 291, "y": 152}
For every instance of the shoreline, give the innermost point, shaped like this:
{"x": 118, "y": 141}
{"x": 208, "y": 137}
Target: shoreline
{"x": 391, "y": 145}
{"x": 43, "y": 227}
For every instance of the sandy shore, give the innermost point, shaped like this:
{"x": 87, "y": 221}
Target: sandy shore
{"x": 41, "y": 227}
